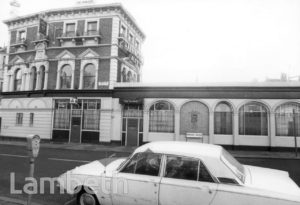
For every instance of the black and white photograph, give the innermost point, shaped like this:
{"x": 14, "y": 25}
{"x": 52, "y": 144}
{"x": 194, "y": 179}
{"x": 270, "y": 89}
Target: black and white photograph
{"x": 149, "y": 102}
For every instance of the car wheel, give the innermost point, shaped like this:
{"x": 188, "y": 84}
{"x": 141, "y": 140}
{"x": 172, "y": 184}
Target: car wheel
{"x": 87, "y": 199}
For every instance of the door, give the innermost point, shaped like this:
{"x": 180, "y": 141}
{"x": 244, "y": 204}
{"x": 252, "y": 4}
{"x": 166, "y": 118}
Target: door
{"x": 76, "y": 126}
{"x": 0, "y": 124}
{"x": 138, "y": 182}
{"x": 186, "y": 181}
{"x": 132, "y": 132}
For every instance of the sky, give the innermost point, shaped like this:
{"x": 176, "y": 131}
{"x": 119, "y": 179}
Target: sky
{"x": 205, "y": 40}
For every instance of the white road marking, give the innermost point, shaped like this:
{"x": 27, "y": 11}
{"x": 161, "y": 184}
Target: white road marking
{"x": 68, "y": 160}
{"x": 112, "y": 155}
{"x": 14, "y": 155}
{"x": 72, "y": 201}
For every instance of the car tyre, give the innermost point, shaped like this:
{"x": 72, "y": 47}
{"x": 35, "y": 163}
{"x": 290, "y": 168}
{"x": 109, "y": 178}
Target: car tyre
{"x": 84, "y": 198}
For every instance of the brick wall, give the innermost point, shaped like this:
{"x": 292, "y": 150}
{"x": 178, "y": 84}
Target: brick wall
{"x": 52, "y": 75}
{"x": 77, "y": 74}
{"x": 55, "y": 30}
{"x": 31, "y": 36}
{"x": 106, "y": 30}
{"x": 80, "y": 27}
{"x": 104, "y": 69}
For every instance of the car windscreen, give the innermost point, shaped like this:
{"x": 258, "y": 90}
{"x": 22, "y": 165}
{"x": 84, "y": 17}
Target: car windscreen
{"x": 236, "y": 167}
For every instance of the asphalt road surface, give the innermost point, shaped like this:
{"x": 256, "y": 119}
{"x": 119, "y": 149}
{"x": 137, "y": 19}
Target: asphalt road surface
{"x": 53, "y": 162}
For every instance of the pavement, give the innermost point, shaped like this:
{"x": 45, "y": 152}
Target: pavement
{"x": 123, "y": 149}
{"x": 13, "y": 201}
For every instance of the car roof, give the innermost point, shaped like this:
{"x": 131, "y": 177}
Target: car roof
{"x": 192, "y": 149}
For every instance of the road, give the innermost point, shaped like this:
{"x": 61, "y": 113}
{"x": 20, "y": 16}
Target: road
{"x": 53, "y": 162}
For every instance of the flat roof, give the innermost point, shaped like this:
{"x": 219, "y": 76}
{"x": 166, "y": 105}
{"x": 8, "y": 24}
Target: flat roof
{"x": 192, "y": 149}
{"x": 210, "y": 84}
{"x": 49, "y": 11}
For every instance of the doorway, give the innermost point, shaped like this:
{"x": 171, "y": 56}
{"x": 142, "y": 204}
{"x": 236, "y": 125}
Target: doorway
{"x": 132, "y": 132}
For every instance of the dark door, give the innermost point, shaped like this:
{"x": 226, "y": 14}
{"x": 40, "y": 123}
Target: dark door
{"x": 132, "y": 132}
{"x": 76, "y": 126}
{"x": 0, "y": 124}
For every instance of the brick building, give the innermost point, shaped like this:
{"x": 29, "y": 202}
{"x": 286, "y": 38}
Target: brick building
{"x": 79, "y": 82}
{"x": 2, "y": 65}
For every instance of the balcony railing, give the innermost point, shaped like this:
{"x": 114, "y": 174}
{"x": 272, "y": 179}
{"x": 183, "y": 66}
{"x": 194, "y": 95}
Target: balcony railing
{"x": 41, "y": 38}
{"x": 130, "y": 49}
{"x": 20, "y": 43}
{"x": 80, "y": 36}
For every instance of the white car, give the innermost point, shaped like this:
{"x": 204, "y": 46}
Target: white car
{"x": 184, "y": 173}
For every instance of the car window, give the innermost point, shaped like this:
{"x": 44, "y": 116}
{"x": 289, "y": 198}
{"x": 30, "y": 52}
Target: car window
{"x": 181, "y": 168}
{"x": 143, "y": 163}
{"x": 204, "y": 175}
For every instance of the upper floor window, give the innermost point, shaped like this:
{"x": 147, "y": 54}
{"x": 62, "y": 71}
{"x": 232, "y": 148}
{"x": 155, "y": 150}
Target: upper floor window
{"x": 18, "y": 80}
{"x": 137, "y": 44}
{"x": 161, "y": 117}
{"x": 131, "y": 38}
{"x": 66, "y": 77}
{"x": 123, "y": 31}
{"x": 70, "y": 29}
{"x": 22, "y": 35}
{"x": 92, "y": 28}
{"x": 143, "y": 163}
{"x": 89, "y": 77}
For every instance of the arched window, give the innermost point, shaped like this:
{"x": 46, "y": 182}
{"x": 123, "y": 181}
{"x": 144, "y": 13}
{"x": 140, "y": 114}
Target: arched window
{"x": 123, "y": 75}
{"x": 18, "y": 80}
{"x": 223, "y": 119}
{"x": 33, "y": 76}
{"x": 284, "y": 118}
{"x": 194, "y": 118}
{"x": 42, "y": 77}
{"x": 161, "y": 117}
{"x": 253, "y": 119}
{"x": 129, "y": 76}
{"x": 66, "y": 77}
{"x": 89, "y": 77}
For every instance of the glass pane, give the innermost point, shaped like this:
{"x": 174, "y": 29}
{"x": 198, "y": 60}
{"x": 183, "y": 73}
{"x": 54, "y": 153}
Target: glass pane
{"x": 66, "y": 77}
{"x": 148, "y": 164}
{"x": 253, "y": 119}
{"x": 284, "y": 118}
{"x": 204, "y": 175}
{"x": 182, "y": 168}
{"x": 89, "y": 77}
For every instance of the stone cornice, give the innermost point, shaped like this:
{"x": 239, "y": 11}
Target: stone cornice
{"x": 91, "y": 10}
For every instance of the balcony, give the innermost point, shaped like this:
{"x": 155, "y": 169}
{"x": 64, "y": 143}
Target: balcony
{"x": 130, "y": 50}
{"x": 87, "y": 38}
{"x": 19, "y": 45}
{"x": 41, "y": 39}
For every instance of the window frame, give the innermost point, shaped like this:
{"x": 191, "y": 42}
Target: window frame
{"x": 91, "y": 21}
{"x": 129, "y": 159}
{"x": 31, "y": 119}
{"x": 200, "y": 161}
{"x": 19, "y": 118}
{"x": 163, "y": 166}
{"x": 65, "y": 27}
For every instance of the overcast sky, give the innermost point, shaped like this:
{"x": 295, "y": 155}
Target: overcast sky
{"x": 205, "y": 40}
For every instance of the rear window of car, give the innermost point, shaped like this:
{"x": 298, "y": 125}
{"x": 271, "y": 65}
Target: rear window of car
{"x": 186, "y": 168}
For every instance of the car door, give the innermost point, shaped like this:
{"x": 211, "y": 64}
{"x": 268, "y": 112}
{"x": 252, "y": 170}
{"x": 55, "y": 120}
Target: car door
{"x": 138, "y": 181}
{"x": 186, "y": 181}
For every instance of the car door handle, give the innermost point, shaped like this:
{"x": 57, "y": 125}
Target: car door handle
{"x": 206, "y": 188}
